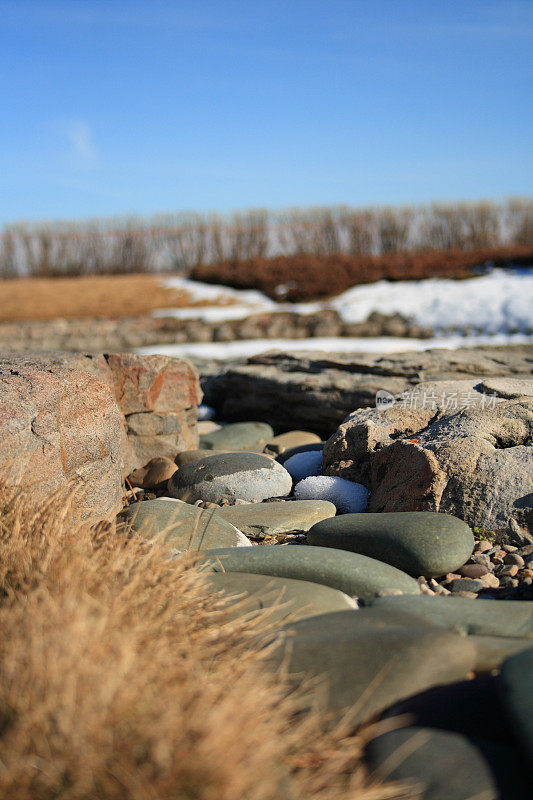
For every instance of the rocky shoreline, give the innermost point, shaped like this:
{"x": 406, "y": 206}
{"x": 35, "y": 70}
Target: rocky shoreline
{"x": 385, "y": 543}
{"x": 390, "y": 614}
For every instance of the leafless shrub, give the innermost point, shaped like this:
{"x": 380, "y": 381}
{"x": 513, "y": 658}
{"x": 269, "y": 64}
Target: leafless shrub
{"x": 482, "y": 222}
{"x": 8, "y": 254}
{"x": 184, "y": 242}
{"x": 519, "y": 220}
{"x": 393, "y": 229}
{"x": 362, "y": 235}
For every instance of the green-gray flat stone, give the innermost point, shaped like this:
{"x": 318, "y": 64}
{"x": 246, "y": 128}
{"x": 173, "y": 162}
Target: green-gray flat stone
{"x": 238, "y": 436}
{"x": 245, "y": 476}
{"x": 357, "y": 576}
{"x": 448, "y": 766}
{"x": 184, "y": 526}
{"x": 369, "y": 660}
{"x": 418, "y": 542}
{"x": 258, "y": 520}
{"x": 492, "y": 651}
{"x": 516, "y": 679}
{"x": 284, "y": 598}
{"x": 485, "y": 617}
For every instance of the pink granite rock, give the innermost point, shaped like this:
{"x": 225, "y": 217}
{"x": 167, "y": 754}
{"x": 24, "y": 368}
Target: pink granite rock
{"x": 58, "y": 422}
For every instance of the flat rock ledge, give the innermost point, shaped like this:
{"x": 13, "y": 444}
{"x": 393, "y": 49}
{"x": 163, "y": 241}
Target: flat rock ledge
{"x": 317, "y": 390}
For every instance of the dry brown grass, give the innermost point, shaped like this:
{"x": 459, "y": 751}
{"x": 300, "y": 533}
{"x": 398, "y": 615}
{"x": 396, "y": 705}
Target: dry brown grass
{"x": 106, "y": 296}
{"x": 120, "y": 678}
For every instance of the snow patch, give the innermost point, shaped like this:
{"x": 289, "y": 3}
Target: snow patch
{"x": 205, "y": 412}
{"x": 245, "y": 348}
{"x": 202, "y": 292}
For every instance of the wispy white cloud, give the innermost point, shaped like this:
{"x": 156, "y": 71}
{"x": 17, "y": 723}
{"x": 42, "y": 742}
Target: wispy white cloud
{"x": 79, "y": 136}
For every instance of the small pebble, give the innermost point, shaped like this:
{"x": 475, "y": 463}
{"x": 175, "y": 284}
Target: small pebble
{"x": 507, "y": 570}
{"x": 490, "y": 580}
{"x": 514, "y": 558}
{"x": 464, "y": 585}
{"x": 473, "y": 570}
{"x": 481, "y": 558}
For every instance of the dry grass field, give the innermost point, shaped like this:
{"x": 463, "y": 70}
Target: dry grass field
{"x": 121, "y": 679}
{"x": 110, "y": 296}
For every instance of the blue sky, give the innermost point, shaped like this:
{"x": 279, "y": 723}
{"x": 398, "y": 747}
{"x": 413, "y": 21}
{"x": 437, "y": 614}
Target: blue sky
{"x": 142, "y": 107}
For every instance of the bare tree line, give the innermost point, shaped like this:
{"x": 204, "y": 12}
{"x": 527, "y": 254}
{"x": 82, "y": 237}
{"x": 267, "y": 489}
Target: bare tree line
{"x": 181, "y": 242}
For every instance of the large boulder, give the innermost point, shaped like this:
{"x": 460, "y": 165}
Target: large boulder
{"x": 158, "y": 396}
{"x": 59, "y": 422}
{"x": 95, "y": 418}
{"x": 317, "y": 390}
{"x": 460, "y": 447}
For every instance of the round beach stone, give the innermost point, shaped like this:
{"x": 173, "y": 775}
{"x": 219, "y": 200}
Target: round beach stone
{"x": 238, "y": 436}
{"x": 357, "y": 576}
{"x": 483, "y": 617}
{"x": 183, "y": 526}
{"x": 207, "y": 426}
{"x": 286, "y": 441}
{"x": 370, "y": 660}
{"x": 446, "y": 765}
{"x": 516, "y": 680}
{"x": 304, "y": 465}
{"x": 303, "y": 448}
{"x": 492, "y": 651}
{"x": 347, "y": 496}
{"x": 258, "y": 520}
{"x": 190, "y": 456}
{"x": 245, "y": 476}
{"x": 419, "y": 542}
{"x": 286, "y": 599}
{"x": 154, "y": 474}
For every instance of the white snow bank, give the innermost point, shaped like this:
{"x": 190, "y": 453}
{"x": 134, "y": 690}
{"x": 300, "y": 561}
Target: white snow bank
{"x": 303, "y": 465}
{"x": 385, "y": 344}
{"x": 499, "y": 302}
{"x": 346, "y": 496}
